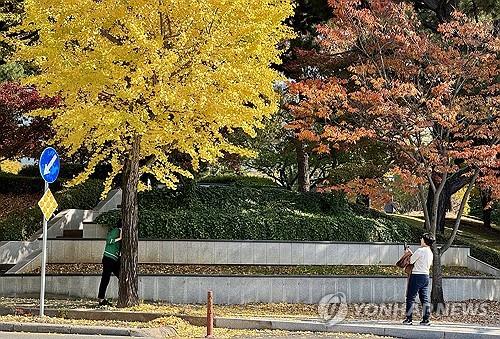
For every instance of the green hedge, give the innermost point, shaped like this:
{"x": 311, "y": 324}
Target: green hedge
{"x": 231, "y": 212}
{"x": 238, "y": 180}
{"x": 23, "y": 224}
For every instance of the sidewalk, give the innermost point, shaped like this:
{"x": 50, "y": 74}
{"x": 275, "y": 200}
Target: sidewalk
{"x": 376, "y": 327}
{"x": 382, "y": 328}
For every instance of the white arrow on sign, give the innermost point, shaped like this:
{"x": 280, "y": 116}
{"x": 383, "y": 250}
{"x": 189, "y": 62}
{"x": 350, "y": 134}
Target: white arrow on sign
{"x": 47, "y": 168}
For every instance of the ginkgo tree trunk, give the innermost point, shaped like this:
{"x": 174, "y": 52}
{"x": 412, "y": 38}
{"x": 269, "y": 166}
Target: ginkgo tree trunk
{"x": 129, "y": 284}
{"x": 141, "y": 79}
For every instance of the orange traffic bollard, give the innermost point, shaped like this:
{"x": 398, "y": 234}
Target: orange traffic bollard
{"x": 210, "y": 315}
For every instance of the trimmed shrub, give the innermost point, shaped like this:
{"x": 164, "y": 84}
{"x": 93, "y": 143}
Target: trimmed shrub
{"x": 248, "y": 213}
{"x": 238, "y": 180}
{"x": 239, "y": 213}
{"x": 23, "y": 224}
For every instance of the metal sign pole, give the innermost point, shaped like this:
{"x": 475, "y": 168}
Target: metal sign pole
{"x": 49, "y": 166}
{"x": 44, "y": 260}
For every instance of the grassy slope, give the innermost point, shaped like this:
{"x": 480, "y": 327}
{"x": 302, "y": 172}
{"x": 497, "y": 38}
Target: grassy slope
{"x": 484, "y": 243}
{"x": 469, "y": 229}
{"x": 475, "y": 231}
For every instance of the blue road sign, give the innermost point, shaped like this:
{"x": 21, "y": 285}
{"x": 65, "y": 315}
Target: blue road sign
{"x": 49, "y": 165}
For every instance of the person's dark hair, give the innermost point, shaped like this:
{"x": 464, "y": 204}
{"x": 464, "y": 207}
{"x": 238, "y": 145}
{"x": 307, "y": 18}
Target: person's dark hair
{"x": 428, "y": 239}
{"x": 119, "y": 223}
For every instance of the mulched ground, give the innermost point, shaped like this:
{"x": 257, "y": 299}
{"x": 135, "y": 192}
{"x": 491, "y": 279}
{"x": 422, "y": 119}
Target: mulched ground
{"x": 13, "y": 202}
{"x": 254, "y": 270}
{"x": 480, "y": 312}
{"x": 183, "y": 328}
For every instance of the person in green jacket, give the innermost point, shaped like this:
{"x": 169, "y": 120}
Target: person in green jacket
{"x": 110, "y": 261}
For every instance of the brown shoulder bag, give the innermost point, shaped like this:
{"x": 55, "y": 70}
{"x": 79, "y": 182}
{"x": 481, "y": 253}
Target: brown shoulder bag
{"x": 404, "y": 262}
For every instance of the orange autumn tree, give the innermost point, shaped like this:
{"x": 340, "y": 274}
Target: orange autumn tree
{"x": 433, "y": 99}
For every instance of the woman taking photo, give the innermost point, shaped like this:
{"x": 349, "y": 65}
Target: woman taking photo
{"x": 419, "y": 280}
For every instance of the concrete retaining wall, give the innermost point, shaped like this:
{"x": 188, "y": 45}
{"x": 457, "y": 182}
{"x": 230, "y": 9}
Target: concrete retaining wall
{"x": 13, "y": 252}
{"x": 244, "y": 289}
{"x": 247, "y": 252}
{"x": 478, "y": 265}
{"x": 72, "y": 219}
{"x": 28, "y": 265}
{"x": 94, "y": 231}
{"x": 25, "y": 254}
{"x": 111, "y": 202}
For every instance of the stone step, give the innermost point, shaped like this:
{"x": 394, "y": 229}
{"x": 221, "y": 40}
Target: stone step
{"x": 72, "y": 234}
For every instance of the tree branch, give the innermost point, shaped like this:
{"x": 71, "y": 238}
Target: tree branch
{"x": 427, "y": 221}
{"x": 435, "y": 203}
{"x": 106, "y": 34}
{"x": 460, "y": 212}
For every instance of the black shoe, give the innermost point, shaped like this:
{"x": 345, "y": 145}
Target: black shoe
{"x": 407, "y": 322}
{"x": 104, "y": 302}
{"x": 425, "y": 323}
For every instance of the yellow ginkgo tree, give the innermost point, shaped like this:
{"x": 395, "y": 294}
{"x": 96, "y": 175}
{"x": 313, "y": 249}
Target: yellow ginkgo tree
{"x": 141, "y": 80}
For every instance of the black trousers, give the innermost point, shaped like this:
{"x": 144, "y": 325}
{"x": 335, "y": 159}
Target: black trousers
{"x": 108, "y": 266}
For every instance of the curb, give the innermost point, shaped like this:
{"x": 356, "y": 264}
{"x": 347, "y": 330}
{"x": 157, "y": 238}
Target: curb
{"x": 377, "y": 328}
{"x": 160, "y": 332}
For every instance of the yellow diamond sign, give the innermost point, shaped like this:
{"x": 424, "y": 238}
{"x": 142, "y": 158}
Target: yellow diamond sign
{"x": 47, "y": 204}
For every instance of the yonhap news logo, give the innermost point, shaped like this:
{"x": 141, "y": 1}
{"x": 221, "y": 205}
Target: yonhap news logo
{"x": 332, "y": 308}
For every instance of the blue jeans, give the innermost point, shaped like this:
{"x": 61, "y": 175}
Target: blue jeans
{"x": 418, "y": 284}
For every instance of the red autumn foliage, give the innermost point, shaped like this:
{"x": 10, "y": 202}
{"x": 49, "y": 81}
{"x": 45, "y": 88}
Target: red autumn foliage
{"x": 433, "y": 98}
{"x": 22, "y": 135}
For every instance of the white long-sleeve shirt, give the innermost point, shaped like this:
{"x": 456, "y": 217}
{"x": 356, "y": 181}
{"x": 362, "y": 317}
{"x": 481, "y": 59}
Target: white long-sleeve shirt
{"x": 422, "y": 260}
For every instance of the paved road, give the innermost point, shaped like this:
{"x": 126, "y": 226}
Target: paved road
{"x": 26, "y": 335}
{"x": 320, "y": 336}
